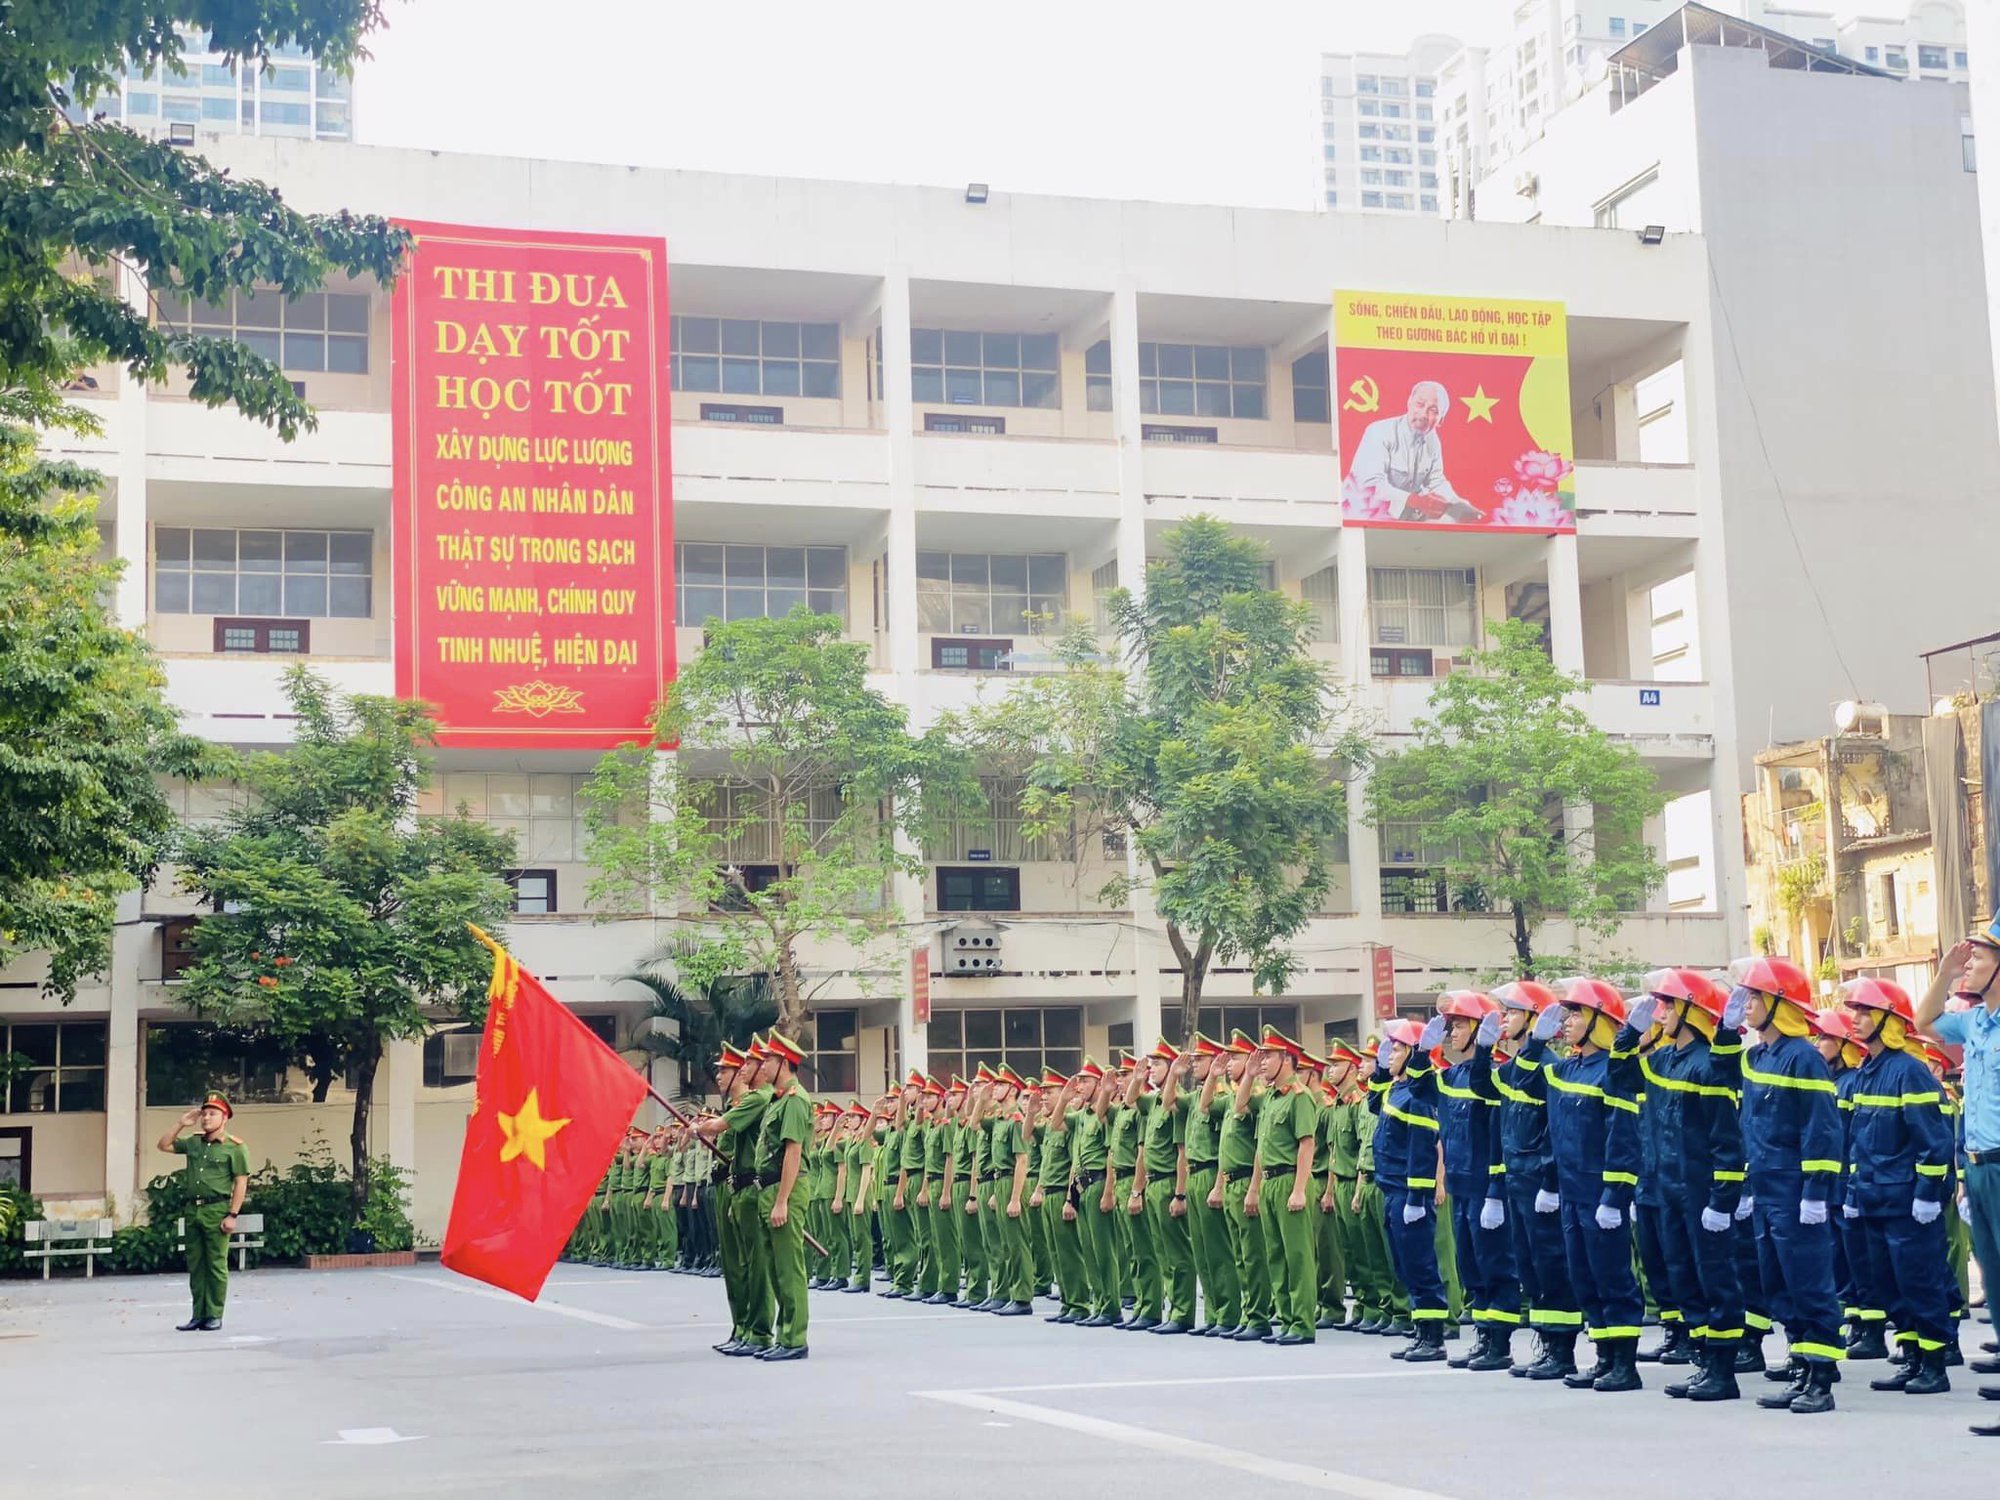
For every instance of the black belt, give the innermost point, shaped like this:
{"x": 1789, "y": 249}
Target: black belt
{"x": 204, "y": 1202}
{"x": 1237, "y": 1174}
{"x": 1090, "y": 1179}
{"x": 1982, "y": 1158}
{"x": 1270, "y": 1172}
{"x": 1200, "y": 1166}
{"x": 741, "y": 1180}
{"x": 772, "y": 1179}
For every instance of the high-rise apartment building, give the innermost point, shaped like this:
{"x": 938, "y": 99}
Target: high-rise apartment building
{"x": 1378, "y": 128}
{"x": 292, "y": 96}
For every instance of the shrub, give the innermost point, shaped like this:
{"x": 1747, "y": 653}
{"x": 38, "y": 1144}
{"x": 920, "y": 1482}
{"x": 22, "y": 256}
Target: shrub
{"x": 16, "y": 1209}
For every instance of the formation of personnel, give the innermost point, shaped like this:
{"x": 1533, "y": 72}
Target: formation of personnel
{"x": 1560, "y": 1162}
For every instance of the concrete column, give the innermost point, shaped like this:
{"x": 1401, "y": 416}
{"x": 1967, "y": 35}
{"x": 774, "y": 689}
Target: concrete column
{"x": 1638, "y": 631}
{"x": 127, "y": 473}
{"x": 1623, "y": 420}
{"x": 1565, "y": 604}
{"x": 1655, "y": 834}
{"x": 403, "y": 1062}
{"x": 123, "y": 1098}
{"x": 1364, "y": 845}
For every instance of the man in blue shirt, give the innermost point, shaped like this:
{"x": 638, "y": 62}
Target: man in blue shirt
{"x": 1968, "y": 981}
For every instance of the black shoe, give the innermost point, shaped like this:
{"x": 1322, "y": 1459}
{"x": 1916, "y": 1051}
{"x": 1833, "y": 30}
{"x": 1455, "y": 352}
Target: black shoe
{"x": 1098, "y": 1321}
{"x": 1984, "y": 1366}
{"x": 727, "y": 1346}
{"x": 1402, "y": 1328}
{"x": 1519, "y": 1370}
{"x": 857, "y": 1286}
{"x": 1293, "y": 1338}
{"x": 1326, "y": 1321}
{"x": 1717, "y": 1382}
{"x": 1014, "y": 1310}
{"x": 1989, "y": 1393}
{"x": 1127, "y": 1302}
{"x": 963, "y": 1304}
{"x": 1370, "y": 1324}
{"x": 1429, "y": 1347}
{"x": 1679, "y": 1346}
{"x": 1868, "y": 1343}
{"x": 1679, "y": 1389}
{"x": 749, "y": 1351}
{"x": 1451, "y": 1333}
{"x": 1786, "y": 1373}
{"x": 891, "y": 1293}
{"x": 1818, "y": 1394}
{"x": 1895, "y": 1380}
{"x": 1624, "y": 1372}
{"x": 1583, "y": 1380}
{"x": 1749, "y": 1357}
{"x": 1799, "y": 1376}
{"x": 1930, "y": 1379}
{"x": 192, "y": 1325}
{"x": 1250, "y": 1333}
{"x": 1558, "y": 1361}
{"x": 211, "y": 1325}
{"x": 778, "y": 1354}
{"x": 1498, "y": 1353}
{"x": 937, "y": 1299}
{"x": 1954, "y": 1357}
{"x": 1062, "y": 1317}
{"x": 1172, "y": 1326}
{"x": 1984, "y": 1429}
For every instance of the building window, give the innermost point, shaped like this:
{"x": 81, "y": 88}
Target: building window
{"x": 1395, "y": 87}
{"x": 1097, "y": 376}
{"x": 177, "y": 953}
{"x": 831, "y": 1065}
{"x": 1639, "y": 26}
{"x": 978, "y": 888}
{"x": 965, "y": 422}
{"x": 1394, "y": 111}
{"x": 319, "y": 331}
{"x": 180, "y": 110}
{"x": 994, "y": 833}
{"x": 1371, "y": 177}
{"x": 748, "y": 834}
{"x": 224, "y": 110}
{"x": 1425, "y": 88}
{"x": 1369, "y": 108}
{"x": 1332, "y": 198}
{"x": 1395, "y": 132}
{"x": 746, "y": 357}
{"x": 1872, "y": 54}
{"x": 1369, "y": 132}
{"x": 1311, "y": 395}
{"x": 534, "y": 891}
{"x": 1896, "y": 59}
{"x": 1958, "y": 60}
{"x": 1371, "y": 200}
{"x": 1396, "y": 179}
{"x": 1321, "y": 592}
{"x": 982, "y": 593}
{"x": 1365, "y": 83}
{"x": 740, "y": 882}
{"x": 1201, "y": 380}
{"x": 1400, "y": 201}
{"x": 315, "y": 575}
{"x": 744, "y": 581}
{"x": 1103, "y": 583}
{"x": 185, "y": 1059}
{"x": 957, "y": 653}
{"x": 1423, "y": 606}
{"x": 263, "y": 637}
{"x": 1930, "y": 57}
{"x": 1223, "y": 1021}
{"x": 58, "y": 1067}
{"x": 1166, "y": 432}
{"x": 1618, "y": 26}
{"x": 278, "y": 112}
{"x": 541, "y": 809}
{"x": 1371, "y": 153}
{"x": 142, "y": 103}
{"x": 285, "y": 80}
{"x": 1396, "y": 156}
{"x": 745, "y": 416}
{"x": 984, "y": 369}
{"x": 1028, "y": 1039}
{"x": 1330, "y": 152}
{"x": 1428, "y": 203}
{"x": 1629, "y": 206}
{"x": 451, "y": 1059}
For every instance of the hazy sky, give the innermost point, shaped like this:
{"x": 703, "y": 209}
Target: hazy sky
{"x": 1192, "y": 100}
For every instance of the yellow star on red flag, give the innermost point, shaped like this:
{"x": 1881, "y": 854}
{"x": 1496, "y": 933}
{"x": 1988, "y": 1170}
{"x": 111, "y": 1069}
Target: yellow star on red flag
{"x": 527, "y": 1132}
{"x": 1479, "y": 406}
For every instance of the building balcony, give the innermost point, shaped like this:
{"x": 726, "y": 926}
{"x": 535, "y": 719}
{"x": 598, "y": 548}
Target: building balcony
{"x": 194, "y": 444}
{"x": 239, "y": 699}
{"x": 1268, "y": 486}
{"x": 1674, "y": 720}
{"x": 822, "y": 467}
{"x": 1635, "y": 500}
{"x": 968, "y": 474}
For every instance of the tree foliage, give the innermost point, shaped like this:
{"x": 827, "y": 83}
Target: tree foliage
{"x": 1218, "y": 748}
{"x": 1504, "y": 749}
{"x": 726, "y": 1008}
{"x": 84, "y": 728}
{"x": 796, "y": 794}
{"x": 341, "y": 915}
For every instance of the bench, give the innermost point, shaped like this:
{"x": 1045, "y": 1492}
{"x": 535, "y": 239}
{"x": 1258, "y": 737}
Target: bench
{"x": 62, "y": 1238}
{"x": 241, "y": 1241}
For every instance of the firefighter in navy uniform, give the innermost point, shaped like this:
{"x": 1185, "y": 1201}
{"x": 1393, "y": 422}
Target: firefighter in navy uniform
{"x": 1403, "y": 1096}
{"x": 1899, "y": 1162}
{"x": 1469, "y": 1114}
{"x": 1534, "y": 1197}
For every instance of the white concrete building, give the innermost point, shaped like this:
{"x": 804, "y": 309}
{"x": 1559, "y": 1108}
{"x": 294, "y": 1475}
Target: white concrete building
{"x": 1378, "y": 128}
{"x": 998, "y": 421}
{"x": 1927, "y": 41}
{"x": 1824, "y": 191}
{"x": 295, "y": 96}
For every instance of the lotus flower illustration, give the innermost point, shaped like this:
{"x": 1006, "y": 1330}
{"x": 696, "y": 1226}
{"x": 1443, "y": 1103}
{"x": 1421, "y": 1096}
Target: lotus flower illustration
{"x": 538, "y": 699}
{"x": 1532, "y": 509}
{"x": 1365, "y": 502}
{"x": 1541, "y": 471}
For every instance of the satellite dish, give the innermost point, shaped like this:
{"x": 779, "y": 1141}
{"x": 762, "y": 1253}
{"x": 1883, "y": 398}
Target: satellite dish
{"x": 1595, "y": 67}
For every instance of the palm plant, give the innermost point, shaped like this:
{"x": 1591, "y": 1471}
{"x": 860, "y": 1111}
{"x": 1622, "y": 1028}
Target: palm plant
{"x": 731, "y": 1008}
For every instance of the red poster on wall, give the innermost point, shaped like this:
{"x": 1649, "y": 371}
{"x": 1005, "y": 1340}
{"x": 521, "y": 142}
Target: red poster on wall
{"x": 533, "y": 514}
{"x": 1382, "y": 978}
{"x": 920, "y": 986}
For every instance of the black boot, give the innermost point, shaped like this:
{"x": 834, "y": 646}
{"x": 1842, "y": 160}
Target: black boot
{"x": 1898, "y": 1377}
{"x": 1786, "y": 1373}
{"x": 1498, "y": 1354}
{"x": 1465, "y": 1357}
{"x": 1868, "y": 1342}
{"x": 1541, "y": 1340}
{"x": 1429, "y": 1346}
{"x": 1718, "y": 1381}
{"x": 1624, "y": 1372}
{"x": 1558, "y": 1357}
{"x": 1680, "y": 1388}
{"x": 1930, "y": 1379}
{"x": 1818, "y": 1394}
{"x": 1583, "y": 1380}
{"x": 1679, "y": 1347}
{"x": 1749, "y": 1355}
{"x": 1801, "y": 1377}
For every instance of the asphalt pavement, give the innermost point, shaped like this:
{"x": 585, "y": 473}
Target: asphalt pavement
{"x": 404, "y": 1383}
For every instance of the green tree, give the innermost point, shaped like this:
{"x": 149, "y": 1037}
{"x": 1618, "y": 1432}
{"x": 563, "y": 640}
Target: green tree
{"x": 728, "y": 1008}
{"x": 1503, "y": 751}
{"x": 797, "y": 792}
{"x": 1218, "y": 750}
{"x": 84, "y": 728}
{"x": 341, "y": 914}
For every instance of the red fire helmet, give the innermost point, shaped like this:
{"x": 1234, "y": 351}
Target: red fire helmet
{"x": 1592, "y": 994}
{"x": 1409, "y": 1033}
{"x": 1525, "y": 994}
{"x": 1465, "y": 1005}
{"x": 1773, "y": 976}
{"x": 1879, "y": 994}
{"x": 1833, "y": 1022}
{"x": 1687, "y": 984}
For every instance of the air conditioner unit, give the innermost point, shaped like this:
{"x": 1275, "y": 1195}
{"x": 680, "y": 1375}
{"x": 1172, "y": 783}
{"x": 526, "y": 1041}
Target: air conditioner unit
{"x": 971, "y": 953}
{"x": 461, "y": 1053}
{"x": 180, "y": 133}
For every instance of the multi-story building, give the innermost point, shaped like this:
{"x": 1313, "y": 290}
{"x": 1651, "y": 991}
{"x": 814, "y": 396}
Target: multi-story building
{"x": 1378, "y": 128}
{"x": 1926, "y": 42}
{"x": 931, "y": 416}
{"x": 293, "y": 96}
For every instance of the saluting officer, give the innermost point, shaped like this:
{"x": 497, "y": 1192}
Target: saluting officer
{"x": 218, "y": 1174}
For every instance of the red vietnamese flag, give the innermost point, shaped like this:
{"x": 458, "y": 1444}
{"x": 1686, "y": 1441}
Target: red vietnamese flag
{"x": 551, "y": 1106}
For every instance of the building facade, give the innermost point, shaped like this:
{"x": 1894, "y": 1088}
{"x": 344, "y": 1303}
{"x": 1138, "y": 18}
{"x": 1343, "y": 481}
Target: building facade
{"x": 933, "y": 418}
{"x": 293, "y": 97}
{"x": 1378, "y": 128}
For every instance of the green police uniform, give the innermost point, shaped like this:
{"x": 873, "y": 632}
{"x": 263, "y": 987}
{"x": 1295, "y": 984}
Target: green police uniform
{"x": 1172, "y": 1234}
{"x": 1290, "y": 1115}
{"x": 211, "y": 1173}
{"x": 665, "y": 1233}
{"x": 1139, "y": 1264}
{"x": 996, "y": 1179}
{"x": 969, "y": 1150}
{"x": 1041, "y": 1243}
{"x": 1065, "y": 1238}
{"x": 749, "y": 1284}
{"x": 788, "y": 1121}
{"x": 1089, "y": 1159}
{"x": 940, "y": 1275}
{"x": 921, "y": 1251}
{"x": 1329, "y": 1247}
{"x": 1344, "y": 1162}
{"x": 1215, "y": 1266}
{"x": 1013, "y": 1266}
{"x": 1238, "y": 1154}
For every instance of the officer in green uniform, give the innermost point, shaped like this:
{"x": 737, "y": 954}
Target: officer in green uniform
{"x": 1056, "y": 1199}
{"x": 1287, "y": 1135}
{"x": 1215, "y": 1266}
{"x": 783, "y": 1133}
{"x": 1237, "y": 1158}
{"x": 1037, "y": 1105}
{"x": 939, "y": 1283}
{"x": 745, "y": 1271}
{"x": 662, "y": 1240}
{"x": 1343, "y": 1139}
{"x": 1009, "y": 1151}
{"x": 1092, "y": 1192}
{"x": 218, "y": 1175}
{"x": 1139, "y": 1263}
{"x": 900, "y": 1248}
{"x": 1330, "y": 1292}
{"x": 911, "y": 1200}
{"x": 969, "y": 1144}
{"x": 1000, "y": 1101}
{"x": 1163, "y": 1167}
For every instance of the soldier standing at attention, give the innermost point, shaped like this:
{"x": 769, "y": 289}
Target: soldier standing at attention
{"x": 1280, "y": 1185}
{"x": 1215, "y": 1268}
{"x": 782, "y": 1137}
{"x": 218, "y": 1174}
{"x": 1237, "y": 1158}
{"x": 735, "y": 1132}
{"x": 1163, "y": 1167}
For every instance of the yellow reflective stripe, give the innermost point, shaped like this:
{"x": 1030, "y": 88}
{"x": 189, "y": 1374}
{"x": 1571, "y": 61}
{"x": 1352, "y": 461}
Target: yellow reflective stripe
{"x": 1525, "y": 1066}
{"x": 1625, "y": 1177}
{"x": 1407, "y": 1118}
{"x": 1620, "y": 1332}
{"x": 1781, "y": 1081}
{"x": 1494, "y": 1315}
{"x": 1507, "y": 1091}
{"x": 1725, "y": 1049}
{"x": 1894, "y": 1101}
{"x": 1592, "y": 1091}
{"x": 1498, "y": 1169}
{"x": 1682, "y": 1086}
{"x": 1429, "y": 1314}
{"x": 1819, "y": 1351}
{"x": 1728, "y": 1176}
{"x": 1725, "y": 1333}
{"x": 1928, "y": 1171}
{"x": 1554, "y": 1318}
{"x": 1817, "y": 1165}
{"x": 1452, "y": 1091}
{"x": 1758, "y": 1321}
{"x": 1847, "y": 1104}
{"x": 1669, "y": 1315}
{"x": 1421, "y": 1182}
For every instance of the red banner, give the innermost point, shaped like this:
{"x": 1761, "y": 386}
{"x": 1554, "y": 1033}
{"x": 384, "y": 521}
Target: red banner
{"x": 1382, "y": 979}
{"x": 533, "y": 517}
{"x": 920, "y": 986}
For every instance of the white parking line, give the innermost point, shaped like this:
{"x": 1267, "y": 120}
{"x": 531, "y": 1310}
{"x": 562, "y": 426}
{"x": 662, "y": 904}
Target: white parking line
{"x": 581, "y": 1314}
{"x": 1263, "y": 1466}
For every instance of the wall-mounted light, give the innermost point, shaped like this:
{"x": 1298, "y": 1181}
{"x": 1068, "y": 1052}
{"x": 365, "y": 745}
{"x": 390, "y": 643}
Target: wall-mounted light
{"x": 1652, "y": 234}
{"x": 975, "y": 192}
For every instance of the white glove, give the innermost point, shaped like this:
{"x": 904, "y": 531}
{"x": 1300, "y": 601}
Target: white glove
{"x": 1812, "y": 1211}
{"x": 1413, "y": 1213}
{"x": 1640, "y": 1016}
{"x": 1964, "y": 1211}
{"x": 1489, "y": 1030}
{"x": 1745, "y": 1206}
{"x": 1714, "y": 1222}
{"x": 1849, "y": 1211}
{"x": 1434, "y": 1030}
{"x": 1736, "y": 1008}
{"x": 1547, "y": 1024}
{"x": 1381, "y": 1054}
{"x": 1492, "y": 1214}
{"x": 1547, "y": 1202}
{"x": 1926, "y": 1212}
{"x": 1609, "y": 1217}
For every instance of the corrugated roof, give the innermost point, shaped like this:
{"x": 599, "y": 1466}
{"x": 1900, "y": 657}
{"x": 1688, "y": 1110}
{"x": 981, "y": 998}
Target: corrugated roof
{"x": 1655, "y": 53}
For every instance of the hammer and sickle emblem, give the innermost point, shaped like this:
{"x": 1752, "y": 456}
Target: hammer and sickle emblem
{"x": 1363, "y": 397}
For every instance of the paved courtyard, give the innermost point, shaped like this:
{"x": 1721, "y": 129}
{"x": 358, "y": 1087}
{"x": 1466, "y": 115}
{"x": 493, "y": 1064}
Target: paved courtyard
{"x": 379, "y": 1384}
